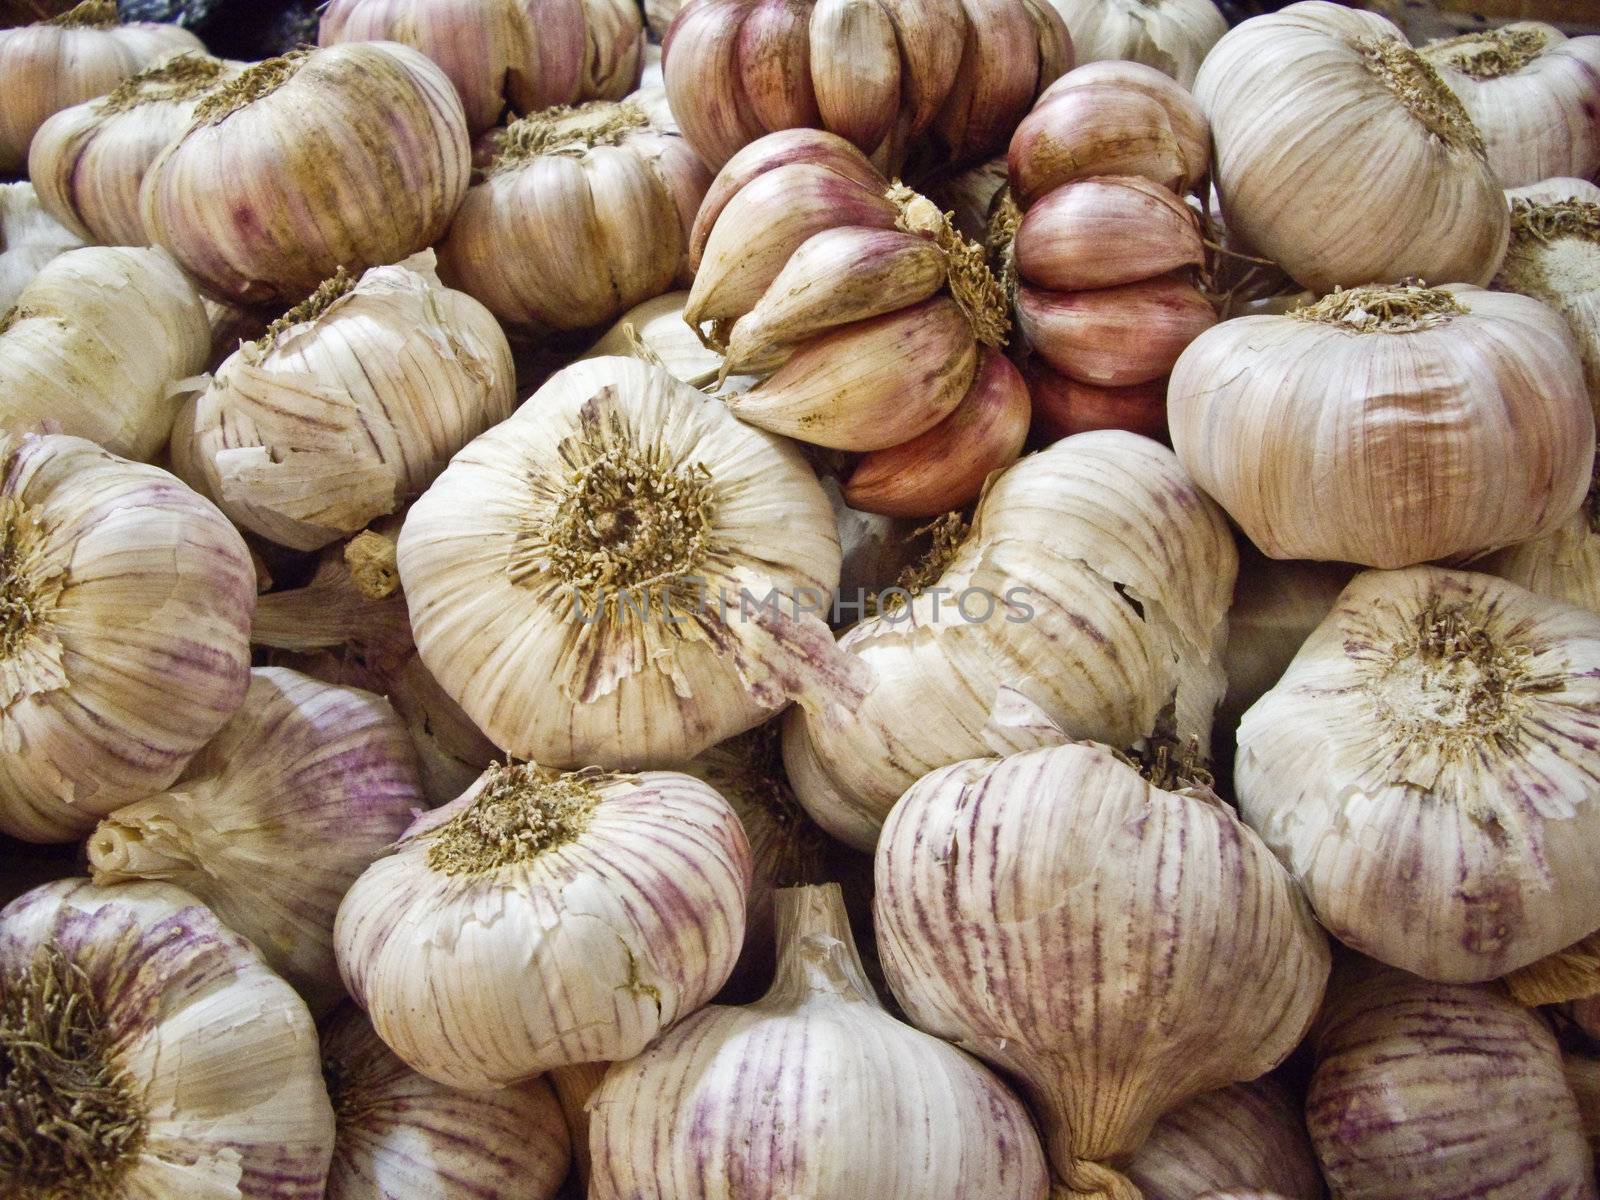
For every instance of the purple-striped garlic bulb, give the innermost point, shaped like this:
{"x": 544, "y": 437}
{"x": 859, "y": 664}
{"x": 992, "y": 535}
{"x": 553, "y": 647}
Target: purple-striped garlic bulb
{"x": 1438, "y": 1089}
{"x": 1118, "y": 942}
{"x": 147, "y": 1051}
{"x": 814, "y": 1090}
{"x": 401, "y": 1136}
{"x": 546, "y": 918}
{"x": 306, "y": 773}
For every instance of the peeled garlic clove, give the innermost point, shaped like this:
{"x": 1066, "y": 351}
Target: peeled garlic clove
{"x": 1428, "y": 1088}
{"x": 1102, "y": 232}
{"x": 1063, "y": 406}
{"x": 1385, "y": 403}
{"x": 1094, "y": 129}
{"x": 1172, "y": 36}
{"x": 1467, "y": 815}
{"x": 1058, "y": 914}
{"x": 1115, "y": 336}
{"x": 945, "y": 468}
{"x": 150, "y": 1052}
{"x": 352, "y": 156}
{"x": 400, "y": 1133}
{"x": 545, "y": 919}
{"x": 923, "y": 1120}
{"x": 29, "y": 238}
{"x": 1187, "y": 121}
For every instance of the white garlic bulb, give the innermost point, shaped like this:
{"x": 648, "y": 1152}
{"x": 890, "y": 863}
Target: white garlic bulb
{"x": 1117, "y": 942}
{"x": 656, "y": 332}
{"x": 623, "y": 574}
{"x": 29, "y": 238}
{"x": 125, "y": 606}
{"x": 306, "y": 773}
{"x": 96, "y": 343}
{"x": 1564, "y": 564}
{"x": 814, "y": 1090}
{"x": 1423, "y": 769}
{"x": 402, "y": 1136}
{"x": 1095, "y": 579}
{"x": 544, "y": 919}
{"x": 1173, "y": 36}
{"x": 351, "y": 404}
{"x": 148, "y": 1052}
{"x": 1342, "y": 156}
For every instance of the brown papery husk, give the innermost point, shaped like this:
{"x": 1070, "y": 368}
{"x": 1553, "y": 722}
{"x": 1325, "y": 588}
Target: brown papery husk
{"x": 1115, "y": 336}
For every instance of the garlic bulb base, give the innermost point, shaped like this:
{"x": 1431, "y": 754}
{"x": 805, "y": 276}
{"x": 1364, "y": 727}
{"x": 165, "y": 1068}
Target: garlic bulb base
{"x": 521, "y": 813}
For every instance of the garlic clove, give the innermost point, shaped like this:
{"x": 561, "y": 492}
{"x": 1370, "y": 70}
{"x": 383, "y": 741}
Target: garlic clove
{"x": 707, "y": 38}
{"x": 1115, "y": 336}
{"x": 1089, "y": 130}
{"x": 855, "y": 68}
{"x": 1103, "y": 232}
{"x": 998, "y": 79}
{"x": 775, "y": 65}
{"x": 945, "y": 468}
{"x": 1063, "y": 406}
{"x": 932, "y": 58}
{"x": 1188, "y": 121}
{"x": 872, "y": 384}
{"x": 614, "y": 43}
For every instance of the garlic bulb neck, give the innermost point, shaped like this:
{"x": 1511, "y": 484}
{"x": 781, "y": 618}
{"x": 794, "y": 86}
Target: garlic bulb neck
{"x": 567, "y": 129}
{"x": 817, "y": 953}
{"x": 522, "y": 812}
{"x": 249, "y": 86}
{"x": 341, "y": 284}
{"x": 26, "y": 597}
{"x": 123, "y": 852}
{"x": 373, "y": 566}
{"x": 1383, "y": 308}
{"x": 91, "y": 14}
{"x": 949, "y": 533}
{"x": 1492, "y": 53}
{"x": 70, "y": 1123}
{"x": 1415, "y": 83}
{"x": 972, "y": 284}
{"x": 181, "y": 77}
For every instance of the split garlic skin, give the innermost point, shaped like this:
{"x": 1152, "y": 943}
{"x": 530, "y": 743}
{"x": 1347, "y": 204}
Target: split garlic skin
{"x": 1423, "y": 770}
{"x": 190, "y": 1069}
{"x": 29, "y": 238}
{"x": 1173, "y": 36}
{"x": 545, "y": 919}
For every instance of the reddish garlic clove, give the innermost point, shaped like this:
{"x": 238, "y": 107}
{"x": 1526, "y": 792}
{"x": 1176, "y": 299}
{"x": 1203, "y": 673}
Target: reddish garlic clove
{"x": 998, "y": 78}
{"x": 1115, "y": 336}
{"x": 1103, "y": 232}
{"x": 1187, "y": 119}
{"x": 775, "y": 65}
{"x": 1063, "y": 406}
{"x": 705, "y": 42}
{"x": 855, "y": 67}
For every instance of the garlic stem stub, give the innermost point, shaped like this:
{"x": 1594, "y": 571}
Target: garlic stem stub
{"x": 1173, "y": 36}
{"x": 814, "y": 1090}
{"x": 1422, "y": 769}
{"x": 29, "y": 238}
{"x": 544, "y": 919}
{"x": 145, "y": 1050}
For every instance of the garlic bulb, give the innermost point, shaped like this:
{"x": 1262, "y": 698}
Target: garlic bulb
{"x": 1173, "y": 36}
{"x": 1063, "y": 406}
{"x": 83, "y": 53}
{"x": 583, "y": 213}
{"x": 323, "y": 777}
{"x": 882, "y": 74}
{"x": 1390, "y": 405}
{"x": 1095, "y": 579}
{"x": 1250, "y": 1137}
{"x": 624, "y": 574}
{"x": 1564, "y": 564}
{"x": 1342, "y": 156}
{"x": 351, "y": 157}
{"x": 124, "y": 621}
{"x": 1420, "y": 767}
{"x": 400, "y": 1135}
{"x": 521, "y": 54}
{"x": 1530, "y": 91}
{"x": 814, "y": 1090}
{"x": 1440, "y": 1090}
{"x": 545, "y": 919}
{"x": 1583, "y": 1075}
{"x": 89, "y": 160}
{"x": 149, "y": 1052}
{"x": 96, "y": 342}
{"x": 351, "y": 404}
{"x": 1117, "y": 942}
{"x": 29, "y": 238}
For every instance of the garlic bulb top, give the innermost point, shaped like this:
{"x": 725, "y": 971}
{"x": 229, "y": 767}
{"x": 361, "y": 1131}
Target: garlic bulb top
{"x": 1342, "y": 156}
{"x": 1530, "y": 91}
{"x": 1117, "y": 943}
{"x": 623, "y": 574}
{"x": 1173, "y": 36}
{"x": 352, "y": 156}
{"x": 89, "y": 161}
{"x": 29, "y": 238}
{"x": 1391, "y": 405}
{"x": 124, "y": 623}
{"x": 351, "y": 404}
{"x": 148, "y": 1051}
{"x": 402, "y": 1135}
{"x": 95, "y": 343}
{"x": 83, "y": 53}
{"x": 814, "y": 1090}
{"x": 305, "y": 773}
{"x": 1095, "y": 579}
{"x": 1422, "y": 768}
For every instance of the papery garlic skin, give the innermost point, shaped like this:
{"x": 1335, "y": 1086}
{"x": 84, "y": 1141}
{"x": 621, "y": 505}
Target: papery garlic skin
{"x": 1389, "y": 404}
{"x": 29, "y": 238}
{"x": 1173, "y": 36}
{"x": 1115, "y": 946}
{"x": 1564, "y": 564}
{"x": 305, "y": 773}
{"x": 1583, "y": 1075}
{"x": 656, "y": 332}
{"x": 1302, "y": 103}
{"x": 542, "y": 920}
{"x": 814, "y": 1090}
{"x": 573, "y": 1086}
{"x": 95, "y": 343}
{"x": 352, "y": 156}
{"x": 351, "y": 405}
{"x": 402, "y": 1136}
{"x": 1422, "y": 769}
{"x": 196, "y": 1067}
{"x": 125, "y": 645}
{"x": 1442, "y": 1090}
